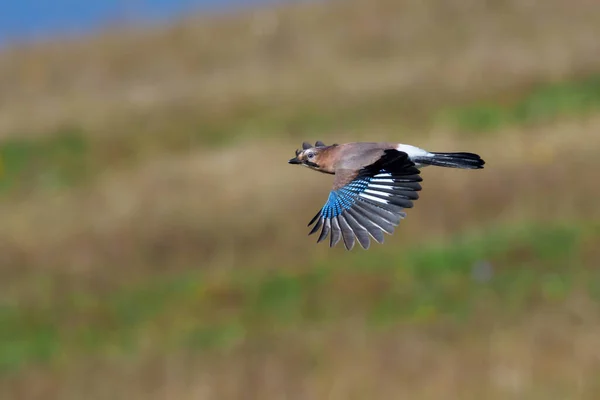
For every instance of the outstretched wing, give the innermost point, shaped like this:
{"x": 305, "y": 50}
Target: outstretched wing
{"x": 368, "y": 202}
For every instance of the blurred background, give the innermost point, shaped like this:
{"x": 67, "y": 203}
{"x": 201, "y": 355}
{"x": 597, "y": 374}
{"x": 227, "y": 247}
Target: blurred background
{"x": 153, "y": 239}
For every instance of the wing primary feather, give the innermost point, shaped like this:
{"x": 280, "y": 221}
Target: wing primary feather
{"x": 375, "y": 232}
{"x": 367, "y": 209}
{"x": 410, "y": 185}
{"x": 312, "y": 221}
{"x": 325, "y": 230}
{"x": 376, "y": 219}
{"x": 317, "y": 226}
{"x": 403, "y": 203}
{"x": 347, "y": 233}
{"x": 394, "y": 209}
{"x": 407, "y": 186}
{"x": 335, "y": 236}
{"x": 409, "y": 178}
{"x": 398, "y": 201}
{"x": 407, "y": 194}
{"x": 395, "y": 192}
{"x": 360, "y": 231}
{"x": 392, "y": 217}
{"x": 398, "y": 177}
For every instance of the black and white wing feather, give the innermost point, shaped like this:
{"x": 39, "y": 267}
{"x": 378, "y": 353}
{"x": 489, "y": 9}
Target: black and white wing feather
{"x": 369, "y": 202}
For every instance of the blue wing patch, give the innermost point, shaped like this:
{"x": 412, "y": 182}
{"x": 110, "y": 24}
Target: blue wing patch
{"x": 344, "y": 198}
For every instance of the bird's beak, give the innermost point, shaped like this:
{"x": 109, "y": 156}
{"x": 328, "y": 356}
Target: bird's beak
{"x": 295, "y": 161}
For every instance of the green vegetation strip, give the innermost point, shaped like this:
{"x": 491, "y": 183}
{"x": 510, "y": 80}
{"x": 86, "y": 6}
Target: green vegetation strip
{"x": 544, "y": 103}
{"x": 55, "y": 161}
{"x": 69, "y": 156}
{"x": 504, "y": 270}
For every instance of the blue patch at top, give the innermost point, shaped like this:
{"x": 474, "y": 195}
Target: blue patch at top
{"x": 344, "y": 198}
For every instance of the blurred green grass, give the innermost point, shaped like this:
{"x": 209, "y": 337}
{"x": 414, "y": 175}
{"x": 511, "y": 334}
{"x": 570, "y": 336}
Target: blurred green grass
{"x": 532, "y": 264}
{"x": 542, "y": 103}
{"x": 56, "y": 161}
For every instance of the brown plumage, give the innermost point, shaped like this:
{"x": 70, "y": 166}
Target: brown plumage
{"x": 373, "y": 184}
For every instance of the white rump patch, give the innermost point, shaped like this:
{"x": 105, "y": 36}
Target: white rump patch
{"x": 413, "y": 151}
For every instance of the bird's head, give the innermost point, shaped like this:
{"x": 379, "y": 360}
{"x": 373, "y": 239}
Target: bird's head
{"x": 313, "y": 157}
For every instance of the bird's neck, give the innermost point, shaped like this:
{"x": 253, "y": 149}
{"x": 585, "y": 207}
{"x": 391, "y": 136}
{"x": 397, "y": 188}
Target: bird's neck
{"x": 327, "y": 159}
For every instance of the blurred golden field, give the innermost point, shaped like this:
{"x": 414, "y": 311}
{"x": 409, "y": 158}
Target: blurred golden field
{"x": 154, "y": 245}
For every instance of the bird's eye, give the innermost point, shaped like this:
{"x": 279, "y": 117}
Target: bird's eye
{"x": 310, "y": 155}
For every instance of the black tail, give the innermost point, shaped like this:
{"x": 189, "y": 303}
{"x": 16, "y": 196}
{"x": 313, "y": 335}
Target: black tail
{"x": 453, "y": 160}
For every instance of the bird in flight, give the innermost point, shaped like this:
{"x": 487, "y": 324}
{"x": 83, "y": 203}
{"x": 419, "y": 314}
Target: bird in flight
{"x": 373, "y": 184}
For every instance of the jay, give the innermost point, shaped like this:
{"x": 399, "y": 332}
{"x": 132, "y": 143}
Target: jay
{"x": 373, "y": 183}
